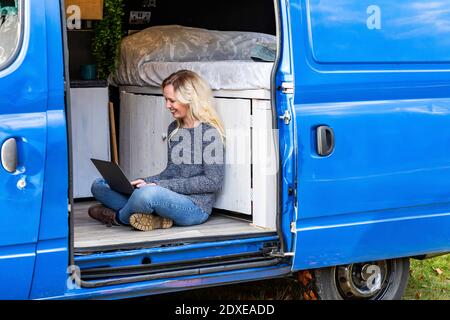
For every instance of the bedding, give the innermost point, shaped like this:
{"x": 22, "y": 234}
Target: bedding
{"x": 223, "y": 58}
{"x": 221, "y": 75}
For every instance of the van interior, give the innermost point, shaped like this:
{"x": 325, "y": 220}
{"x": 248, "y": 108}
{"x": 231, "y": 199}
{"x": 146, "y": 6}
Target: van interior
{"x": 231, "y": 44}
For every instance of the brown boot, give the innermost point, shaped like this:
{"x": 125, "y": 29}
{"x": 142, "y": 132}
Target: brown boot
{"x": 148, "y": 222}
{"x": 103, "y": 214}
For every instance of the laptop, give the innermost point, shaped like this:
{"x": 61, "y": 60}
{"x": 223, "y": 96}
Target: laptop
{"x": 114, "y": 176}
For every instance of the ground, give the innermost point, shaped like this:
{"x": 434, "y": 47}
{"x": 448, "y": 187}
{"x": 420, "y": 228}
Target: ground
{"x": 429, "y": 280}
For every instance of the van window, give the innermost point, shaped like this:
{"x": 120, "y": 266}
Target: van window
{"x": 379, "y": 31}
{"x": 10, "y": 31}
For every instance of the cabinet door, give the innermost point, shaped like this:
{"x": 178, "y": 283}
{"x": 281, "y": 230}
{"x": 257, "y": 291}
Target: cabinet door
{"x": 265, "y": 165}
{"x": 143, "y": 144}
{"x": 143, "y": 134}
{"x": 236, "y": 192}
{"x": 90, "y": 136}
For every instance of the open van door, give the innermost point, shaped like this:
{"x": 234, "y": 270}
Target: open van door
{"x": 371, "y": 109}
{"x": 23, "y": 127}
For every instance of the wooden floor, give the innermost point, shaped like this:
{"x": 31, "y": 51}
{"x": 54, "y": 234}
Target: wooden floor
{"x": 90, "y": 234}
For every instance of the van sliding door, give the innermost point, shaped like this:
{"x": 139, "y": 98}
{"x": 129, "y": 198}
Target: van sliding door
{"x": 23, "y": 103}
{"x": 371, "y": 105}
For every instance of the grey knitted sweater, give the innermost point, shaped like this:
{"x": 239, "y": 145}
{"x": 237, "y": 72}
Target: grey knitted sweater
{"x": 195, "y": 166}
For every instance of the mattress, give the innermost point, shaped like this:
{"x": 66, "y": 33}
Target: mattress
{"x": 223, "y": 58}
{"x": 221, "y": 75}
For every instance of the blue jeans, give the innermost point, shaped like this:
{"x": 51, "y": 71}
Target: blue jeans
{"x": 149, "y": 199}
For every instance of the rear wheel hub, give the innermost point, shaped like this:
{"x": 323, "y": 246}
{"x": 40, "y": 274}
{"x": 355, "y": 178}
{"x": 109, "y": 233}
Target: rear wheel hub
{"x": 362, "y": 280}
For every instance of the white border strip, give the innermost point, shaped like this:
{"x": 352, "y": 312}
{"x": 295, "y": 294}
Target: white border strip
{"x": 15, "y": 256}
{"x": 52, "y": 250}
{"x": 352, "y": 224}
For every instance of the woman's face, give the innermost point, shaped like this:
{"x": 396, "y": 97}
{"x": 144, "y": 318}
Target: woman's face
{"x": 178, "y": 110}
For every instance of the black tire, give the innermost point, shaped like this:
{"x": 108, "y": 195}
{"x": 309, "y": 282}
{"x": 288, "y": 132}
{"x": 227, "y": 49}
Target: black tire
{"x": 329, "y": 286}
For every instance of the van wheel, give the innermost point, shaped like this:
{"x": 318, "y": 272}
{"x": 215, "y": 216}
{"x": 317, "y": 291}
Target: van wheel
{"x": 378, "y": 280}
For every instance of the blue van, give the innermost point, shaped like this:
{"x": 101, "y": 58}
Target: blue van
{"x": 360, "y": 98}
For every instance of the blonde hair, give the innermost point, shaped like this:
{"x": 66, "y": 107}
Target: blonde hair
{"x": 192, "y": 90}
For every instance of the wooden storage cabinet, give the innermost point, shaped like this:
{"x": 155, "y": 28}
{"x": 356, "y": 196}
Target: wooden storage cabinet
{"x": 89, "y": 9}
{"x": 236, "y": 194}
{"x": 264, "y": 165}
{"x": 250, "y": 180}
{"x": 90, "y": 136}
{"x": 143, "y": 134}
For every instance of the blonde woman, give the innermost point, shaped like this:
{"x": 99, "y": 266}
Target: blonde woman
{"x": 184, "y": 193}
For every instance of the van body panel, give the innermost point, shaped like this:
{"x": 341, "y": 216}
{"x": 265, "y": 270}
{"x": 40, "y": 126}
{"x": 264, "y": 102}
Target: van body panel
{"x": 172, "y": 285}
{"x": 372, "y": 236}
{"x": 383, "y": 158}
{"x": 384, "y": 31}
{"x": 23, "y": 106}
{"x": 16, "y": 271}
{"x": 384, "y": 191}
{"x": 160, "y": 254}
{"x": 55, "y": 197}
{"x": 52, "y": 253}
{"x": 51, "y": 269}
{"x": 286, "y": 132}
{"x": 23, "y": 117}
{"x": 85, "y": 264}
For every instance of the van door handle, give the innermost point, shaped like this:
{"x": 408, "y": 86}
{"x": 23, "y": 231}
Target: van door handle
{"x": 9, "y": 155}
{"x": 325, "y": 141}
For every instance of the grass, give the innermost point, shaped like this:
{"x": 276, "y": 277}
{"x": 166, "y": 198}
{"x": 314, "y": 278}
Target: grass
{"x": 429, "y": 279}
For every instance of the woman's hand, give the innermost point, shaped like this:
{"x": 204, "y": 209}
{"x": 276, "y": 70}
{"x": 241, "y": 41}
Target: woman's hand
{"x": 139, "y": 183}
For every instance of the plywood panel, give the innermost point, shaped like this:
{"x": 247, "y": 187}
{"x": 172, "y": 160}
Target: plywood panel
{"x": 265, "y": 165}
{"x": 143, "y": 131}
{"x": 236, "y": 192}
{"x": 89, "y": 233}
{"x": 143, "y": 149}
{"x": 90, "y": 136}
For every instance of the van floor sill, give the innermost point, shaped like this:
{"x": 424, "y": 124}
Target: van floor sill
{"x": 99, "y": 273}
{"x": 183, "y": 273}
{"x": 92, "y": 236}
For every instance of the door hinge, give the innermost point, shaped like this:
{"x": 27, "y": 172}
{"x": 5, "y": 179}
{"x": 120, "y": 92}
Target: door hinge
{"x": 286, "y": 117}
{"x": 293, "y": 227}
{"x": 69, "y": 208}
{"x": 287, "y": 87}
